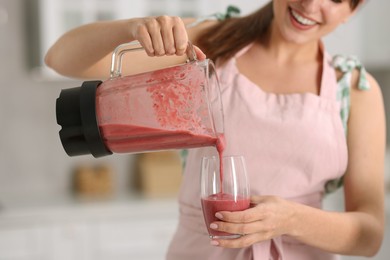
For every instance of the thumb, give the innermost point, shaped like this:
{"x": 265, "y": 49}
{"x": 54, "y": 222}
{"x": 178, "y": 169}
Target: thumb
{"x": 199, "y": 53}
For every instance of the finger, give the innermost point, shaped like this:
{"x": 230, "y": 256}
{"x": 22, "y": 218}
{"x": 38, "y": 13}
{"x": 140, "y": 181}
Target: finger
{"x": 238, "y": 228}
{"x": 241, "y": 242}
{"x": 199, "y": 53}
{"x": 144, "y": 39}
{"x": 180, "y": 36}
{"x": 168, "y": 41}
{"x": 245, "y": 216}
{"x": 154, "y": 30}
{"x": 166, "y": 25}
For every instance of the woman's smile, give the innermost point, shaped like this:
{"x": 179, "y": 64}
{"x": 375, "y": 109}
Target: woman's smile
{"x": 301, "y": 22}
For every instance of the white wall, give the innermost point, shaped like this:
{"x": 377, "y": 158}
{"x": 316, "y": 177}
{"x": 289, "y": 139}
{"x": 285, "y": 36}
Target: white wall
{"x": 366, "y": 35}
{"x": 376, "y": 33}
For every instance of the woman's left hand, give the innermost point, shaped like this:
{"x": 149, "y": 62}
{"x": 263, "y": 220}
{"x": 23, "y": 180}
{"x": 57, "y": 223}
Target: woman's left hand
{"x": 269, "y": 217}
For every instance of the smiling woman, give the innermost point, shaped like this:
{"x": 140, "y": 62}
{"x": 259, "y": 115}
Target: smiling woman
{"x": 287, "y": 112}
{"x": 216, "y": 41}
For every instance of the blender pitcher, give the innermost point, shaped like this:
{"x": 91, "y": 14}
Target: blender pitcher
{"x": 171, "y": 108}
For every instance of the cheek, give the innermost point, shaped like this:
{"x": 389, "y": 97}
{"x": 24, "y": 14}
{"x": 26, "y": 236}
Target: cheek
{"x": 280, "y": 8}
{"x": 334, "y": 20}
{"x": 337, "y": 16}
{"x": 281, "y": 5}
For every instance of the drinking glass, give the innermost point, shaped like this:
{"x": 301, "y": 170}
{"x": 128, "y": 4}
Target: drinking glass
{"x": 224, "y": 187}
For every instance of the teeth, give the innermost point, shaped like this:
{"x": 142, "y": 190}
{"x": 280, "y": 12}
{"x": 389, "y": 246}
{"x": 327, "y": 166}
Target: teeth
{"x": 301, "y": 19}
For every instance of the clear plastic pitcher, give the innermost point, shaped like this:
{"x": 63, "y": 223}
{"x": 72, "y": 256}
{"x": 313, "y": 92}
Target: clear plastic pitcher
{"x": 171, "y": 108}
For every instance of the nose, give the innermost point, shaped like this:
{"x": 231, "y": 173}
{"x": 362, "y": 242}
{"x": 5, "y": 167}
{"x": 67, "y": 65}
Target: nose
{"x": 311, "y": 6}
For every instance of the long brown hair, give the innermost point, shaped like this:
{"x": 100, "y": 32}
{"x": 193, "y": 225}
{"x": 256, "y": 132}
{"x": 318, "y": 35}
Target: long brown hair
{"x": 226, "y": 38}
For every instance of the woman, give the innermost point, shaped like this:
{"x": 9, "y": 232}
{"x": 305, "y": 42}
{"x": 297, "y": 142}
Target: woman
{"x": 283, "y": 96}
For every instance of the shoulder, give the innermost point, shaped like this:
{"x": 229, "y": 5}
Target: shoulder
{"x": 365, "y": 92}
{"x": 352, "y": 69}
{"x": 369, "y": 99}
{"x": 356, "y": 77}
{"x": 367, "y": 112}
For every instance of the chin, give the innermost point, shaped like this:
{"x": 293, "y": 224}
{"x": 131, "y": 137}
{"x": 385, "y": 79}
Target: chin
{"x": 296, "y": 38}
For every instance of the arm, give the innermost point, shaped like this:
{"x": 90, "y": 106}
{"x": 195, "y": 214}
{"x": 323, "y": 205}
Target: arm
{"x": 85, "y": 52}
{"x": 358, "y": 230}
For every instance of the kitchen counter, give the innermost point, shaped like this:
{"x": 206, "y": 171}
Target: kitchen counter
{"x": 126, "y": 227}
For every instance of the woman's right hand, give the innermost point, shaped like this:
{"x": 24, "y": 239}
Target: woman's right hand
{"x": 162, "y": 35}
{"x": 85, "y": 51}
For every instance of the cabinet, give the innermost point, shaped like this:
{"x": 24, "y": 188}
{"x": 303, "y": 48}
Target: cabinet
{"x": 52, "y": 18}
{"x": 139, "y": 229}
{"x": 55, "y": 17}
{"x": 20, "y": 243}
{"x": 121, "y": 239}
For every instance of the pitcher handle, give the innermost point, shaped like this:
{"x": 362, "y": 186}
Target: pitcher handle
{"x": 116, "y": 59}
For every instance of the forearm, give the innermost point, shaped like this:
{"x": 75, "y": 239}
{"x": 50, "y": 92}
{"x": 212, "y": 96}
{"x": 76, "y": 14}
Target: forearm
{"x": 79, "y": 49}
{"x": 350, "y": 233}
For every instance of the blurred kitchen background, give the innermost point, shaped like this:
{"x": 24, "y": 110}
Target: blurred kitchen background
{"x": 121, "y": 206}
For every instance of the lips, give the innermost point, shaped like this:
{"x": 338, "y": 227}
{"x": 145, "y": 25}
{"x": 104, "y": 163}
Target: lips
{"x": 300, "y": 21}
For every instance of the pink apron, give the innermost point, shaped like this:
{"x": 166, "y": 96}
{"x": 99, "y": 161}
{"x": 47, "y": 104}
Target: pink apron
{"x": 293, "y": 144}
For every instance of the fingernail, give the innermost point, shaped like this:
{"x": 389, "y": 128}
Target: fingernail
{"x": 213, "y": 226}
{"x": 218, "y": 215}
{"x": 214, "y": 243}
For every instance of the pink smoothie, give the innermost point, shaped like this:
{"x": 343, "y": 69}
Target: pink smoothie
{"x": 221, "y": 202}
{"x": 160, "y": 110}
{"x": 130, "y": 138}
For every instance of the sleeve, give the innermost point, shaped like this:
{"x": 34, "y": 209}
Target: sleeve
{"x": 346, "y": 64}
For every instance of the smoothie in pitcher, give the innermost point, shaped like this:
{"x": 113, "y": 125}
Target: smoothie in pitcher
{"x": 167, "y": 109}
